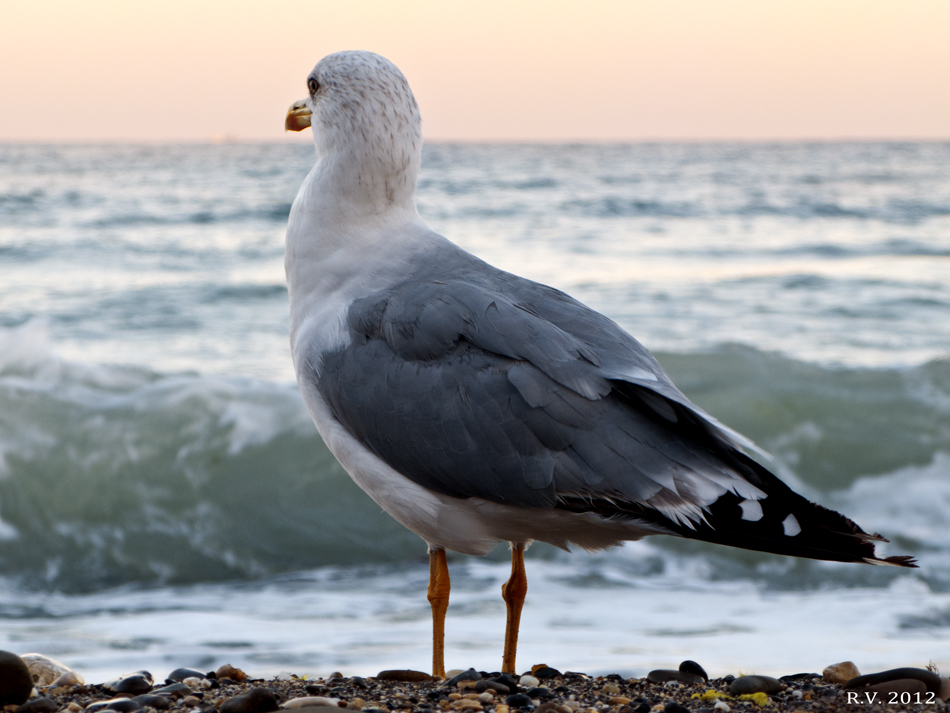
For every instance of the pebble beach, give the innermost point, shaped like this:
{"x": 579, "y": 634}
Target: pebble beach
{"x": 27, "y": 685}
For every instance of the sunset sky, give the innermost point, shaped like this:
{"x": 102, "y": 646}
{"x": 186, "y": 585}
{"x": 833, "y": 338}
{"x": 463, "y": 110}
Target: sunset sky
{"x": 541, "y": 70}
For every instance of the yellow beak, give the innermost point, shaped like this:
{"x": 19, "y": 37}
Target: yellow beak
{"x": 298, "y": 116}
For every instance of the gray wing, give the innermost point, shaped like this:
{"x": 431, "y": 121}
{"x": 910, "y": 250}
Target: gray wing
{"x": 474, "y": 382}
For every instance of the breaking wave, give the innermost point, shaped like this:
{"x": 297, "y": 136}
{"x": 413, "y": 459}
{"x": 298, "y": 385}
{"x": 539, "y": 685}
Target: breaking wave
{"x": 113, "y": 475}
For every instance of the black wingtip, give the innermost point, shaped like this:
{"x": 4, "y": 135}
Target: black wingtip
{"x": 895, "y": 561}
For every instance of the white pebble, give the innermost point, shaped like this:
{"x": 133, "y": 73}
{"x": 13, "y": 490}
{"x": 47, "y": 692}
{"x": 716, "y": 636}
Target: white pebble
{"x": 70, "y": 678}
{"x": 722, "y": 706}
{"x": 796, "y": 693}
{"x": 311, "y": 701}
{"x": 529, "y": 682}
{"x": 43, "y": 669}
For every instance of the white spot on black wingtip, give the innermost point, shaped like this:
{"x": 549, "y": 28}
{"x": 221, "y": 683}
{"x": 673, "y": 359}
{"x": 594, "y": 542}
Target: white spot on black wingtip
{"x": 751, "y": 510}
{"x": 790, "y": 525}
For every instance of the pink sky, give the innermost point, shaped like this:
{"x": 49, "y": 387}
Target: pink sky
{"x": 541, "y": 70}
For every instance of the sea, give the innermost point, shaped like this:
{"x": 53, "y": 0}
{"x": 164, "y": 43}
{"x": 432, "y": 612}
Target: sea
{"x": 165, "y": 500}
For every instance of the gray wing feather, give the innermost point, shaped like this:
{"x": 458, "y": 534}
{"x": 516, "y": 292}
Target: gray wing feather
{"x": 473, "y": 382}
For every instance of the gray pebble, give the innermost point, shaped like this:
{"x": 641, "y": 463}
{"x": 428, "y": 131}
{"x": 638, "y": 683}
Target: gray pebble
{"x": 507, "y": 680}
{"x": 755, "y": 684}
{"x": 16, "y": 683}
{"x": 134, "y": 683}
{"x": 405, "y": 675}
{"x": 539, "y": 692}
{"x": 888, "y": 688}
{"x": 930, "y": 679}
{"x": 159, "y": 703}
{"x": 470, "y": 675}
{"x": 664, "y": 675}
{"x": 123, "y": 705}
{"x": 173, "y": 690}
{"x": 694, "y": 668}
{"x": 180, "y": 674}
{"x": 38, "y": 705}
{"x": 486, "y": 685}
{"x": 518, "y": 700}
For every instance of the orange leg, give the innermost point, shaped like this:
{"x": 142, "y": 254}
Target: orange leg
{"x": 439, "y": 586}
{"x": 513, "y": 592}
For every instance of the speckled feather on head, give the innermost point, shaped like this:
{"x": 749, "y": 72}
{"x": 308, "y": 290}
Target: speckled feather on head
{"x": 476, "y": 406}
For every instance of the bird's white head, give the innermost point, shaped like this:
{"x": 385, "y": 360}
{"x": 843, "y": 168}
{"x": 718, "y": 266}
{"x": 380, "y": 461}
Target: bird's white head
{"x": 366, "y": 128}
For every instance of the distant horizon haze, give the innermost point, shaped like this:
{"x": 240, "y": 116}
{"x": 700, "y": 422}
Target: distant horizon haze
{"x": 532, "y": 71}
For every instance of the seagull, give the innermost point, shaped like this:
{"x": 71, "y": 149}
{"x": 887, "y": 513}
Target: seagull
{"x": 476, "y": 406}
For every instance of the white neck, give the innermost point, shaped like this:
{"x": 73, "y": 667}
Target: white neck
{"x": 337, "y": 244}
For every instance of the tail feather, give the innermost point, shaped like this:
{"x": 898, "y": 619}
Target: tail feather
{"x": 782, "y": 523}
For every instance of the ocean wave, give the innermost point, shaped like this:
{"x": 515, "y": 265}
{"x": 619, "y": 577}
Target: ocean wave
{"x": 113, "y": 475}
{"x": 276, "y": 213}
{"x": 749, "y": 205}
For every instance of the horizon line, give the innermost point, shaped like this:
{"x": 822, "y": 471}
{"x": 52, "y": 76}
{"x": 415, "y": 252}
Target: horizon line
{"x": 236, "y": 140}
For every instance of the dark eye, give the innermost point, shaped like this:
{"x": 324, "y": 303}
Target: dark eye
{"x": 312, "y": 86}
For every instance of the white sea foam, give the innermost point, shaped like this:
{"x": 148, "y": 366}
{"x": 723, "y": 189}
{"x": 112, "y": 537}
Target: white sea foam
{"x": 364, "y": 622}
{"x": 912, "y": 503}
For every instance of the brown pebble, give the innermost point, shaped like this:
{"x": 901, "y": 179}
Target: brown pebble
{"x": 619, "y": 701}
{"x": 611, "y": 689}
{"x": 256, "y": 700}
{"x": 190, "y": 701}
{"x": 403, "y": 675}
{"x": 357, "y": 704}
{"x": 228, "y": 671}
{"x": 462, "y": 685}
{"x": 840, "y": 672}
